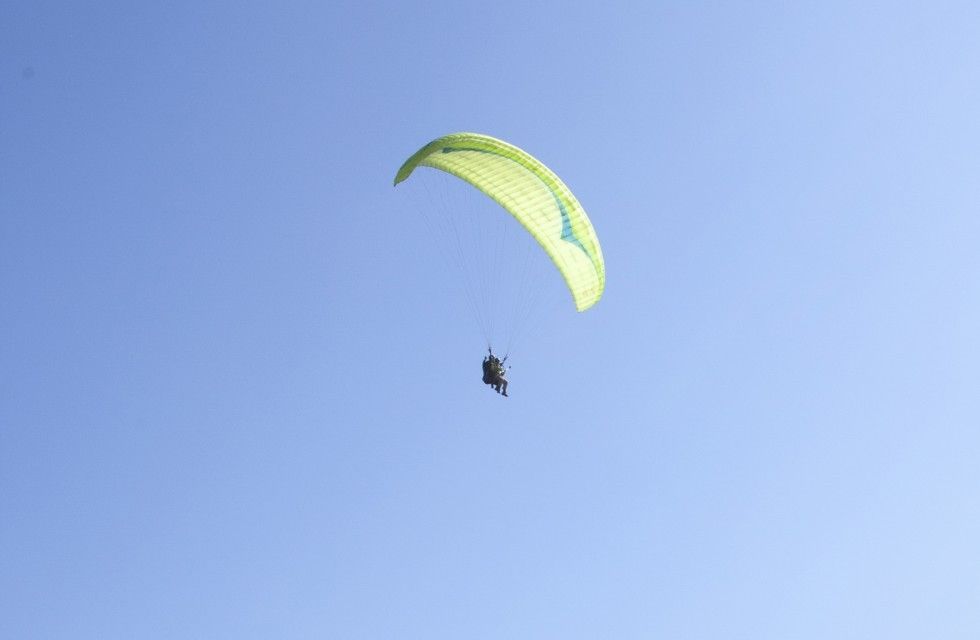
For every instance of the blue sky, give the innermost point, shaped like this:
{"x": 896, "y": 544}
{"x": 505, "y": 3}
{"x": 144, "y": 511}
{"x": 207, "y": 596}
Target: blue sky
{"x": 237, "y": 387}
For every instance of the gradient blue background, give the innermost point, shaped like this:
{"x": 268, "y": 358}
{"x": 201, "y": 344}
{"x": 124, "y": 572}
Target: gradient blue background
{"x": 210, "y": 295}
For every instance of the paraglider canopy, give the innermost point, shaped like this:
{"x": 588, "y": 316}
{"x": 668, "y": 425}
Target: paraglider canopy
{"x": 531, "y": 193}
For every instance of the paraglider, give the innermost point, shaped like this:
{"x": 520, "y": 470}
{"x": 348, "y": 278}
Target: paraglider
{"x": 531, "y": 193}
{"x": 494, "y": 372}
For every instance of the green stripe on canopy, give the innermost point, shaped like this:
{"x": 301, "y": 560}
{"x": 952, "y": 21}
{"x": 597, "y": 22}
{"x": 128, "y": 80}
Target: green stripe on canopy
{"x": 533, "y": 194}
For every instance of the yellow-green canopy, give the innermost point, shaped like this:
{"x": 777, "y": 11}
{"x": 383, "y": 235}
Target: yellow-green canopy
{"x": 533, "y": 194}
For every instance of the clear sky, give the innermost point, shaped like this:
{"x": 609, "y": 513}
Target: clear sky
{"x": 238, "y": 392}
